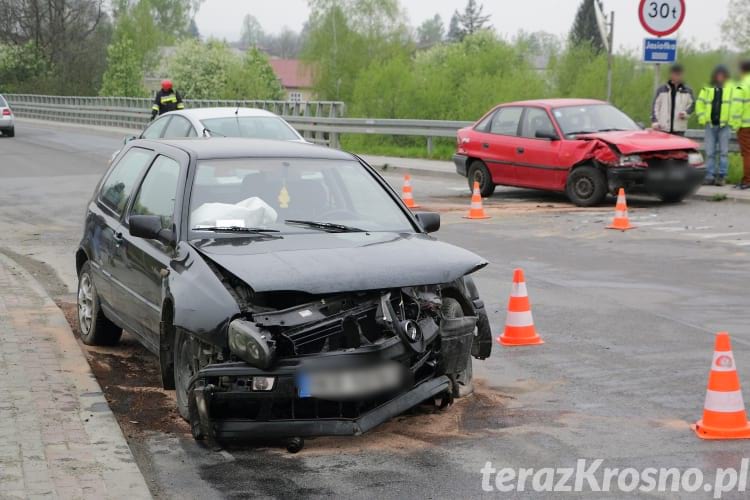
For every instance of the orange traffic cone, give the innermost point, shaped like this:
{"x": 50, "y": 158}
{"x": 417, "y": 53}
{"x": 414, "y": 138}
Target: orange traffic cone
{"x": 519, "y": 324}
{"x": 476, "y": 211}
{"x": 621, "y": 221}
{"x": 407, "y": 194}
{"x": 724, "y": 415}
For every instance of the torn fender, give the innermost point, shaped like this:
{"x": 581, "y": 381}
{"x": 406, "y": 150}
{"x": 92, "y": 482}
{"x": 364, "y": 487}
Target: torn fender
{"x": 596, "y": 149}
{"x": 203, "y": 305}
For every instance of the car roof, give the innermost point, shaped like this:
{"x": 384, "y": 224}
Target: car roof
{"x": 232, "y": 147}
{"x": 555, "y": 103}
{"x": 207, "y": 113}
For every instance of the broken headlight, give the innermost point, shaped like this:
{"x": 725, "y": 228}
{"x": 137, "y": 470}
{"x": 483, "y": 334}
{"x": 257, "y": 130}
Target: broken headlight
{"x": 695, "y": 159}
{"x": 632, "y": 161}
{"x": 251, "y": 344}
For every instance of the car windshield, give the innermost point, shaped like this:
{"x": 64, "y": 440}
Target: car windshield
{"x": 238, "y": 196}
{"x": 574, "y": 120}
{"x": 252, "y": 127}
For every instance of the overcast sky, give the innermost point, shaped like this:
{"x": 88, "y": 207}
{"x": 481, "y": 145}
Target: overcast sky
{"x": 222, "y": 18}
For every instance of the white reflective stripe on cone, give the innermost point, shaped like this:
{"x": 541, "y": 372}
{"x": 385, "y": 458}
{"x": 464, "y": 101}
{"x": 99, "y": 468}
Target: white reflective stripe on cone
{"x": 519, "y": 319}
{"x": 519, "y": 290}
{"x": 723, "y": 362}
{"x": 620, "y": 214}
{"x": 724, "y": 402}
{"x": 476, "y": 205}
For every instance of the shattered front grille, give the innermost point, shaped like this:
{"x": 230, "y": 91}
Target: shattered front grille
{"x": 342, "y": 331}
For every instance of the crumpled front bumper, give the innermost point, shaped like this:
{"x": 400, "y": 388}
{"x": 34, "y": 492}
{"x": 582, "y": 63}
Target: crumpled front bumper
{"x": 223, "y": 409}
{"x": 671, "y": 178}
{"x": 203, "y": 396}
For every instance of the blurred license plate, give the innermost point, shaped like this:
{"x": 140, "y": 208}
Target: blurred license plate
{"x": 359, "y": 382}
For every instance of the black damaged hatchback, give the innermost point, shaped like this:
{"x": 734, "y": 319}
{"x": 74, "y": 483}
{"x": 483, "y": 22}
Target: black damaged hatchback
{"x": 285, "y": 288}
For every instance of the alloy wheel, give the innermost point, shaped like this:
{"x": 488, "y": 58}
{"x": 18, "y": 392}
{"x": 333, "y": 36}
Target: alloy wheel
{"x": 85, "y": 303}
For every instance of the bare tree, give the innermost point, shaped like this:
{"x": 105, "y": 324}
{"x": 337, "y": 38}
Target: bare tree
{"x": 65, "y": 33}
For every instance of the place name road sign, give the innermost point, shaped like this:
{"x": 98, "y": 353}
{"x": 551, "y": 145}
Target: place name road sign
{"x": 659, "y": 50}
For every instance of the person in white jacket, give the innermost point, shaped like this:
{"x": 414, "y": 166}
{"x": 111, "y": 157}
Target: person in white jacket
{"x": 673, "y": 104}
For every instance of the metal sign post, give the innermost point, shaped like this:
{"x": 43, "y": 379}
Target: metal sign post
{"x": 661, "y": 18}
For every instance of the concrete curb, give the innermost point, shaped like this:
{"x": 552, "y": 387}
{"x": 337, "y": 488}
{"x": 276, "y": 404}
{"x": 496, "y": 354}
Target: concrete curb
{"x": 108, "y": 447}
{"x": 421, "y": 172}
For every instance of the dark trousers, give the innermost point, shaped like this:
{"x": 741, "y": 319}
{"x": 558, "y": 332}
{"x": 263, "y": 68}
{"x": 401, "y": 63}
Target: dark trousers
{"x": 743, "y": 137}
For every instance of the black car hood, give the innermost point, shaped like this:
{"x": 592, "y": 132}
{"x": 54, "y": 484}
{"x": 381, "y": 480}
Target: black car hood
{"x": 322, "y": 263}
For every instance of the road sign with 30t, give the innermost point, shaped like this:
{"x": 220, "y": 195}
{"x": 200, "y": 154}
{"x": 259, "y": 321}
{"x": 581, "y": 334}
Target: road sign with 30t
{"x": 661, "y": 17}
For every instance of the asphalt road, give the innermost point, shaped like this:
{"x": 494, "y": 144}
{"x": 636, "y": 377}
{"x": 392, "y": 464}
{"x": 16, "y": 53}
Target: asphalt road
{"x": 628, "y": 320}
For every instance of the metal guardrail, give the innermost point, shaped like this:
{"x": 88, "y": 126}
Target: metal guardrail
{"x": 319, "y": 121}
{"x": 135, "y": 112}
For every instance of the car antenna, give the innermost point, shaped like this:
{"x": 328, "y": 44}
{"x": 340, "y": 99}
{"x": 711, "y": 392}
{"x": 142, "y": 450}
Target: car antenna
{"x": 237, "y": 111}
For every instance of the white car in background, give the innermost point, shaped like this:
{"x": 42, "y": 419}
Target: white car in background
{"x": 221, "y": 122}
{"x": 7, "y": 123}
{"x": 249, "y": 123}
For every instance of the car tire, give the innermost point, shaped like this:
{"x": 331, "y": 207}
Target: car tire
{"x": 186, "y": 364}
{"x": 478, "y": 172}
{"x": 452, "y": 308}
{"x": 95, "y": 328}
{"x": 11, "y": 132}
{"x": 586, "y": 186}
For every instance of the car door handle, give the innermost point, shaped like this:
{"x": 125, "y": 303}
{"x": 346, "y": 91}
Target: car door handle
{"x": 486, "y": 145}
{"x": 520, "y": 151}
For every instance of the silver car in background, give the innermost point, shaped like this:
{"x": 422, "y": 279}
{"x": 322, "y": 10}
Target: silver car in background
{"x": 7, "y": 123}
{"x": 249, "y": 123}
{"x": 221, "y": 122}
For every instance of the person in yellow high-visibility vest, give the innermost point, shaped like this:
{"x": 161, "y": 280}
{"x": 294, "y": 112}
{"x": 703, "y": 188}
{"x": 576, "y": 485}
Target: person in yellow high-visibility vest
{"x": 166, "y": 100}
{"x": 740, "y": 120}
{"x": 713, "y": 108}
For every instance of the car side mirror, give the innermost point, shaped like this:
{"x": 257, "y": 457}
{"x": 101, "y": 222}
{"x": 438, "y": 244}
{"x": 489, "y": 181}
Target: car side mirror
{"x": 430, "y": 221}
{"x": 550, "y": 135}
{"x": 149, "y": 227}
{"x": 129, "y": 138}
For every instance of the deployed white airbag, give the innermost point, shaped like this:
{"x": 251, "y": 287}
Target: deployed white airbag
{"x": 252, "y": 212}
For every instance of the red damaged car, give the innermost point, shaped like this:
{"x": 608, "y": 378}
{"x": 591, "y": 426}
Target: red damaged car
{"x": 582, "y": 147}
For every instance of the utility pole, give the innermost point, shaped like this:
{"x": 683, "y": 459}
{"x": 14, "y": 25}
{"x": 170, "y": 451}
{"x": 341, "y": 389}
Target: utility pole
{"x": 610, "y": 55}
{"x": 607, "y": 32}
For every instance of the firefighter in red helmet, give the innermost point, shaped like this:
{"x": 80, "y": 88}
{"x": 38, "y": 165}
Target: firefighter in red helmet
{"x": 167, "y": 99}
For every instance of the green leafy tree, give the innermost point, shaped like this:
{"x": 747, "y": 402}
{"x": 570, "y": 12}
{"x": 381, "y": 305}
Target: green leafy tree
{"x": 447, "y": 82}
{"x": 585, "y": 29}
{"x": 201, "y": 70}
{"x": 124, "y": 75}
{"x": 431, "y": 31}
{"x": 23, "y": 68}
{"x": 344, "y": 36}
{"x": 252, "y": 78}
{"x": 144, "y": 26}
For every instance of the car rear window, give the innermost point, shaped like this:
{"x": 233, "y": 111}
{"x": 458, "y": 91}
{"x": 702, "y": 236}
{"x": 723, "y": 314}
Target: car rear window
{"x": 252, "y": 127}
{"x": 3, "y": 104}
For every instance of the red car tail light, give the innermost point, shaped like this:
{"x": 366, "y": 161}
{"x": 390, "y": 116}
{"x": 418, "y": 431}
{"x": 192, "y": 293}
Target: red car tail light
{"x": 6, "y": 112}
